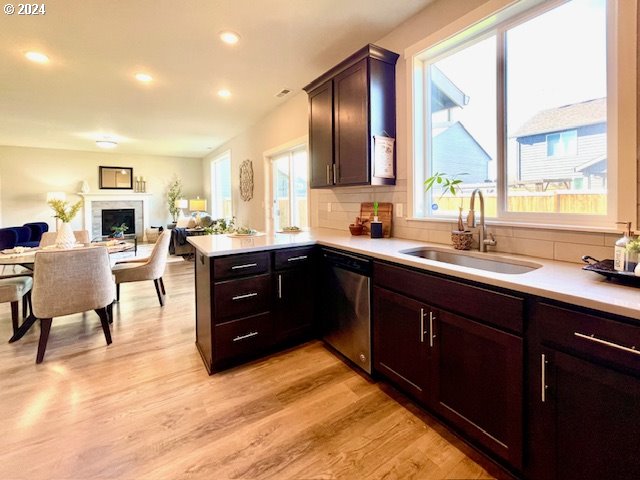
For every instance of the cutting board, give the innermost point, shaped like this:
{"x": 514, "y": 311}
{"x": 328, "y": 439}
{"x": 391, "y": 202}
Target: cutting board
{"x": 385, "y": 214}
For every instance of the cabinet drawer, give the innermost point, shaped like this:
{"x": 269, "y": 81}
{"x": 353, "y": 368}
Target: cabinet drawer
{"x": 500, "y": 309}
{"x": 241, "y": 265}
{"x": 293, "y": 257}
{"x": 600, "y": 338}
{"x": 242, "y": 297}
{"x": 242, "y": 338}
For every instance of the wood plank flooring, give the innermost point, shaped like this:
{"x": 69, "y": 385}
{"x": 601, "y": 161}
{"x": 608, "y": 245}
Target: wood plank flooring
{"x": 145, "y": 408}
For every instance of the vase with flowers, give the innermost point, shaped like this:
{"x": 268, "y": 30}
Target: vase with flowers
{"x": 65, "y": 213}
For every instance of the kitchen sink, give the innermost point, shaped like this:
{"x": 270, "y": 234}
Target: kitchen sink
{"x": 491, "y": 264}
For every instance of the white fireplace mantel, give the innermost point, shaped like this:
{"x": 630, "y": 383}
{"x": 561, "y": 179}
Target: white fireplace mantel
{"x": 89, "y": 198}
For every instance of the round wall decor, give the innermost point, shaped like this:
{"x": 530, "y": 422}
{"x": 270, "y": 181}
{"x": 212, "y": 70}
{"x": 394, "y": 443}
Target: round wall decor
{"x": 246, "y": 180}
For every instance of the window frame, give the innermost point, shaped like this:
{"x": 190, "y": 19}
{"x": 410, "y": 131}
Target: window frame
{"x": 495, "y": 17}
{"x": 224, "y": 156}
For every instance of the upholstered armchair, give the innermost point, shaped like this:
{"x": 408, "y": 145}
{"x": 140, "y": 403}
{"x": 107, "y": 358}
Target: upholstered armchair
{"x": 71, "y": 281}
{"x": 8, "y": 238}
{"x": 24, "y": 237}
{"x": 151, "y": 268}
{"x": 37, "y": 229}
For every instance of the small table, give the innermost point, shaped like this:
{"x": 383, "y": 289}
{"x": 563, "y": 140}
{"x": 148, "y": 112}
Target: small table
{"x": 125, "y": 236}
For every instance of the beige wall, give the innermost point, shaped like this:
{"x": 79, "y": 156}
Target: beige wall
{"x": 286, "y": 123}
{"x": 27, "y": 174}
{"x": 345, "y": 202}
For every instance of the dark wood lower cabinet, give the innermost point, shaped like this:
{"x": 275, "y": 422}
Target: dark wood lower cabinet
{"x": 584, "y": 396}
{"x": 590, "y": 422}
{"x": 477, "y": 383}
{"x": 400, "y": 351}
{"x": 293, "y": 311}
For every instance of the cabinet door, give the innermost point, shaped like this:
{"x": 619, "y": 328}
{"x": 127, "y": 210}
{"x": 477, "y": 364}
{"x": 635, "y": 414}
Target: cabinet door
{"x": 321, "y": 136}
{"x": 477, "y": 382}
{"x": 351, "y": 117}
{"x": 590, "y": 421}
{"x": 294, "y": 312}
{"x": 401, "y": 341}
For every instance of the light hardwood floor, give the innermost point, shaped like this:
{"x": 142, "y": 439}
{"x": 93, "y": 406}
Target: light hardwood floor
{"x": 145, "y": 408}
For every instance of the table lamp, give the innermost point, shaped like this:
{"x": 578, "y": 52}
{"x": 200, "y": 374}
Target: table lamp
{"x": 198, "y": 204}
{"x": 182, "y": 204}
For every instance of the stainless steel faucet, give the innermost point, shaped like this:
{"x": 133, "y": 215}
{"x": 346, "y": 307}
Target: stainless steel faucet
{"x": 471, "y": 222}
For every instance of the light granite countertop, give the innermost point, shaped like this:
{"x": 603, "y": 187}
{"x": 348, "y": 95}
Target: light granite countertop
{"x": 561, "y": 281}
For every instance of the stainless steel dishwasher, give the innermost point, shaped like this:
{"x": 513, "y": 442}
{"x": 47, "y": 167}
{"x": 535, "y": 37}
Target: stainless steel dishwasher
{"x": 346, "y": 307}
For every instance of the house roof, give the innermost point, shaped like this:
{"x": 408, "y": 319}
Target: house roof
{"x": 444, "y": 93}
{"x": 566, "y": 117}
{"x": 457, "y": 129}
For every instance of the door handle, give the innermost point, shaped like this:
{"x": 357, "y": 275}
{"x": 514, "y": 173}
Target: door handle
{"x": 543, "y": 378}
{"x": 246, "y": 265}
{"x": 243, "y": 337}
{"x": 431, "y": 334}
{"x": 593, "y": 338}
{"x": 328, "y": 174}
{"x": 335, "y": 174}
{"x": 246, "y": 295}
{"x": 422, "y": 332}
{"x": 279, "y": 286}
{"x": 295, "y": 259}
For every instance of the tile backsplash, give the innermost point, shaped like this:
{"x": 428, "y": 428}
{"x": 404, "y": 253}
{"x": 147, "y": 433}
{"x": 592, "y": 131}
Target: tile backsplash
{"x": 560, "y": 245}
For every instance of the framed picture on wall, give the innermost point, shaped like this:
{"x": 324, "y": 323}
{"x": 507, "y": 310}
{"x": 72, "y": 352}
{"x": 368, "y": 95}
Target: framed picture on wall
{"x": 116, "y": 178}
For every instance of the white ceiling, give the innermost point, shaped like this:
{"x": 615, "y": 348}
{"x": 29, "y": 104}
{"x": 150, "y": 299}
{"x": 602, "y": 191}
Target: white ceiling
{"x": 96, "y": 46}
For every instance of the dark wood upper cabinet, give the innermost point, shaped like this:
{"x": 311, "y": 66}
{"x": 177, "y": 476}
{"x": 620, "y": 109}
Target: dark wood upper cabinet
{"x": 348, "y": 106}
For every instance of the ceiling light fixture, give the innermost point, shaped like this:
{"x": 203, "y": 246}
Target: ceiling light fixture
{"x": 36, "y": 57}
{"x": 106, "y": 144}
{"x": 230, "y": 38}
{"x": 224, "y": 93}
{"x": 143, "y": 77}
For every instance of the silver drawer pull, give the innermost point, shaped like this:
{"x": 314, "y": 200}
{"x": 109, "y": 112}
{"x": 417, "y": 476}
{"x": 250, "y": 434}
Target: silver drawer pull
{"x": 243, "y": 337}
{"x": 543, "y": 378}
{"x": 294, "y": 259}
{"x": 246, "y": 295}
{"x": 247, "y": 265}
{"x": 594, "y": 339}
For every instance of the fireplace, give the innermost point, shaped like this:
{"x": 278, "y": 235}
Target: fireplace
{"x": 116, "y": 217}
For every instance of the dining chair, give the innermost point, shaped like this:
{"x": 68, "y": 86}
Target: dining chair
{"x": 150, "y": 268}
{"x": 49, "y": 238}
{"x": 13, "y": 290}
{"x": 71, "y": 281}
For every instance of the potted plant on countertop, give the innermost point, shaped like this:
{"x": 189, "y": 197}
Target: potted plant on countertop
{"x": 461, "y": 238}
{"x": 65, "y": 237}
{"x": 358, "y": 227}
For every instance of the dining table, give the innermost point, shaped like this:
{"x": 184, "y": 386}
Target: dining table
{"x": 25, "y": 257}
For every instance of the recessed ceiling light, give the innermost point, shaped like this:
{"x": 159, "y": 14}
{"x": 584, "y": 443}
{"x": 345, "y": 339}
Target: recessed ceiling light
{"x": 229, "y": 37}
{"x": 224, "y": 93}
{"x": 37, "y": 57}
{"x": 106, "y": 144}
{"x": 143, "y": 77}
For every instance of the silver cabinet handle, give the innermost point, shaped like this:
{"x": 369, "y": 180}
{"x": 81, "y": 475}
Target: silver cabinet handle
{"x": 243, "y": 337}
{"x": 279, "y": 286}
{"x": 431, "y": 334}
{"x": 328, "y": 174}
{"x": 246, "y": 295}
{"x": 335, "y": 174}
{"x": 422, "y": 332}
{"x": 543, "y": 378}
{"x": 246, "y": 265}
{"x": 295, "y": 259}
{"x": 593, "y": 338}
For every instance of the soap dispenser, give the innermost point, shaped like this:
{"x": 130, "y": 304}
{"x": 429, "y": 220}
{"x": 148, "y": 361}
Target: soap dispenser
{"x": 620, "y": 254}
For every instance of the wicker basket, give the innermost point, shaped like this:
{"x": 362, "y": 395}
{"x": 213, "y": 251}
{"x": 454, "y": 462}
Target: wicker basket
{"x": 461, "y": 240}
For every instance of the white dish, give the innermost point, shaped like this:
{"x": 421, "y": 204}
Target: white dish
{"x": 17, "y": 250}
{"x": 256, "y": 234}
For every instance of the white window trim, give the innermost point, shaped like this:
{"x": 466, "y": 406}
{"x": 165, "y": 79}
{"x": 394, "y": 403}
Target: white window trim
{"x": 268, "y": 156}
{"x": 621, "y": 118}
{"x": 222, "y": 156}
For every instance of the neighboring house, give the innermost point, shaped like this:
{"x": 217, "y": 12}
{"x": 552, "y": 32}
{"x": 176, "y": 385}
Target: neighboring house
{"x": 454, "y": 150}
{"x": 565, "y": 145}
